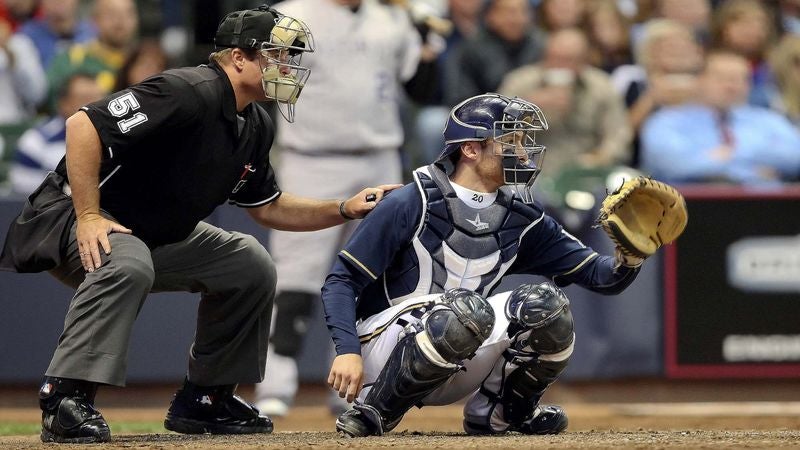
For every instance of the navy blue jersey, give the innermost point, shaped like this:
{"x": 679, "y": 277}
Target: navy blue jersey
{"x": 377, "y": 266}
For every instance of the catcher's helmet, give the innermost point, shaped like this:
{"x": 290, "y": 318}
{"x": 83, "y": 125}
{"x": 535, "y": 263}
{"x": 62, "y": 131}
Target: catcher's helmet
{"x": 513, "y": 123}
{"x": 282, "y": 40}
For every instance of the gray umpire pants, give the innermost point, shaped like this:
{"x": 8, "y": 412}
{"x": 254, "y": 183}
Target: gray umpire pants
{"x": 233, "y": 273}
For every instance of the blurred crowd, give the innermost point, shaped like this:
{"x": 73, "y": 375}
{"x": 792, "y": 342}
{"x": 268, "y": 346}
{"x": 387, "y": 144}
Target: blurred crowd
{"x": 688, "y": 91}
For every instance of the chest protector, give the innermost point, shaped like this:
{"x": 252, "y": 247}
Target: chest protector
{"x": 456, "y": 245}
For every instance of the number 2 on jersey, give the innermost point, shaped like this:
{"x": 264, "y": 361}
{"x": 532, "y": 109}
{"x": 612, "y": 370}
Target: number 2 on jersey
{"x": 121, "y": 106}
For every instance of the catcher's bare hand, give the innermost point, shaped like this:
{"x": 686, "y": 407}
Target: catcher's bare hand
{"x": 347, "y": 376}
{"x": 361, "y": 204}
{"x": 92, "y": 233}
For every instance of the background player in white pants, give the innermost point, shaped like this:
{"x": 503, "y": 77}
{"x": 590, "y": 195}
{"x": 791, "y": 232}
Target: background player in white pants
{"x": 347, "y": 135}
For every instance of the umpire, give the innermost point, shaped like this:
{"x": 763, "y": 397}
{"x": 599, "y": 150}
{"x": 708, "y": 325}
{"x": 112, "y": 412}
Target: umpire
{"x": 122, "y": 217}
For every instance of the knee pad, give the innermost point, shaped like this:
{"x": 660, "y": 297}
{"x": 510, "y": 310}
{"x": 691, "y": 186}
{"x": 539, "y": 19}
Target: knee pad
{"x": 429, "y": 355}
{"x": 540, "y": 319}
{"x": 458, "y": 325}
{"x": 292, "y": 313}
{"x": 543, "y": 332}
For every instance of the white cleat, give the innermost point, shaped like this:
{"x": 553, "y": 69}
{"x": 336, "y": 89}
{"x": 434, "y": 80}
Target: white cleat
{"x": 273, "y": 407}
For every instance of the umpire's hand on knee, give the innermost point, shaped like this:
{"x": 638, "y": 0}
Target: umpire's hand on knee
{"x": 92, "y": 233}
{"x": 347, "y": 375}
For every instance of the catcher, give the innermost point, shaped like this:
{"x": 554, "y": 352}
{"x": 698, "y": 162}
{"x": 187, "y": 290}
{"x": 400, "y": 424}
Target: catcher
{"x": 406, "y": 299}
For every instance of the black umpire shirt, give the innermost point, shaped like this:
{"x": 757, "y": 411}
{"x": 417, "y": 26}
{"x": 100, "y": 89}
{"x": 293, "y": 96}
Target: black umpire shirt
{"x": 174, "y": 148}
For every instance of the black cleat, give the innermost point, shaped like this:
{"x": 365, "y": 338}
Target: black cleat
{"x": 218, "y": 412}
{"x": 549, "y": 419}
{"x": 355, "y": 423}
{"x": 74, "y": 420}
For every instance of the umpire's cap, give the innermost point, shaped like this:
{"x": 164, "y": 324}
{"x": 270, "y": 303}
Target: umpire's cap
{"x": 246, "y": 29}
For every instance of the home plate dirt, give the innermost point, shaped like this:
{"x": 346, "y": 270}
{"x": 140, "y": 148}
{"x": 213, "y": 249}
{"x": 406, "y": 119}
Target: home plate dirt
{"x": 754, "y": 425}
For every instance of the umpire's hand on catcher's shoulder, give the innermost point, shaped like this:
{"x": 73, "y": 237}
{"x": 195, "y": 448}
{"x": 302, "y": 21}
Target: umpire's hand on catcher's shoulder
{"x": 359, "y": 205}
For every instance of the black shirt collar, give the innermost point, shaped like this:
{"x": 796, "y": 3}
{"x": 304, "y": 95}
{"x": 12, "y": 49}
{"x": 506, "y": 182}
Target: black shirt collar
{"x": 228, "y": 97}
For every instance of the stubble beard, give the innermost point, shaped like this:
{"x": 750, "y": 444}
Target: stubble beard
{"x": 492, "y": 172}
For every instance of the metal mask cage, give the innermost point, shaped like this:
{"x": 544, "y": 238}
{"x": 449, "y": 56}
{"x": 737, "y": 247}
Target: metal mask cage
{"x": 283, "y": 77}
{"x": 283, "y": 82}
{"x": 291, "y": 34}
{"x": 523, "y": 158}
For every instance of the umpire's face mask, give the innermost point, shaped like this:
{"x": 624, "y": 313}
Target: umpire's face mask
{"x": 282, "y": 76}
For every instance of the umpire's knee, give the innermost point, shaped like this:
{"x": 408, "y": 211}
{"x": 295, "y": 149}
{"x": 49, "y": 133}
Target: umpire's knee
{"x": 137, "y": 274}
{"x": 256, "y": 266}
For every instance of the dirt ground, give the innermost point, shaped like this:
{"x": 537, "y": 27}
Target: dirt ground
{"x": 628, "y": 415}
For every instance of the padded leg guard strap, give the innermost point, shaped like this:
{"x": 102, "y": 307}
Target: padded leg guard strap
{"x": 510, "y": 395}
{"x": 525, "y": 386}
{"x": 407, "y": 378}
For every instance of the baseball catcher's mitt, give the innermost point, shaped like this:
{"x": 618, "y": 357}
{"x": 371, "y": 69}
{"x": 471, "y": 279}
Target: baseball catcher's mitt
{"x": 642, "y": 215}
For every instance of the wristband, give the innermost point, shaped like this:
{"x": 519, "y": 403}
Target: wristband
{"x": 628, "y": 260}
{"x": 342, "y": 213}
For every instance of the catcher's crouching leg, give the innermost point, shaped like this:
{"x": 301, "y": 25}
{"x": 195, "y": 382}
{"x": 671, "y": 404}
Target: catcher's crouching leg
{"x": 422, "y": 361}
{"x": 542, "y": 331}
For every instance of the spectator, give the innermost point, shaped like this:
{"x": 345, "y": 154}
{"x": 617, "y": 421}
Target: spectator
{"x": 58, "y": 28}
{"x": 785, "y": 65}
{"x": 667, "y": 48}
{"x": 41, "y": 148}
{"x": 17, "y": 12}
{"x": 465, "y": 17}
{"x": 746, "y": 27}
{"x": 668, "y": 60}
{"x": 347, "y": 134}
{"x": 789, "y": 15}
{"x": 588, "y": 126}
{"x": 644, "y": 11}
{"x": 507, "y": 40}
{"x": 694, "y": 14}
{"x": 117, "y": 24}
{"x": 22, "y": 82}
{"x": 721, "y": 138}
{"x": 148, "y": 58}
{"x": 609, "y": 31}
{"x": 554, "y": 15}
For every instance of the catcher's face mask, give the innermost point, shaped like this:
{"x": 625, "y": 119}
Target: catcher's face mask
{"x": 282, "y": 76}
{"x": 522, "y": 156}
